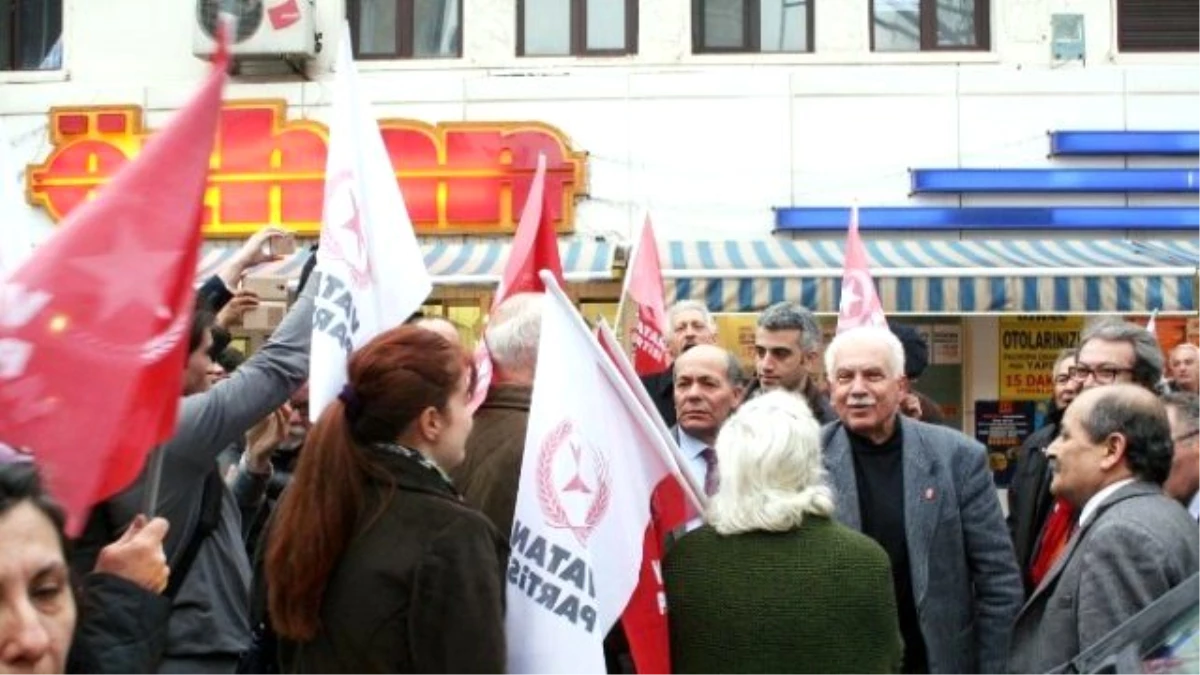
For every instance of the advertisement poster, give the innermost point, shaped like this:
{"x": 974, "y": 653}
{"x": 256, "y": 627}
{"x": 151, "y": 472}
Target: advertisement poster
{"x": 946, "y": 344}
{"x": 1028, "y": 346}
{"x": 1002, "y": 426}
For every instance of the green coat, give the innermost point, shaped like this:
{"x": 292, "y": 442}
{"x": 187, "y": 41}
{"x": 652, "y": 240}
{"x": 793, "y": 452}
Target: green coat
{"x": 815, "y": 599}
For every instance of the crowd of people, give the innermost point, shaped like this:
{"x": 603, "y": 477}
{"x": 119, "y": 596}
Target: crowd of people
{"x": 849, "y": 529}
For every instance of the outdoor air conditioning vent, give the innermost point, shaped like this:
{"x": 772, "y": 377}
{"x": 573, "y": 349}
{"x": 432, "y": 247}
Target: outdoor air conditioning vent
{"x": 249, "y": 15}
{"x": 265, "y": 28}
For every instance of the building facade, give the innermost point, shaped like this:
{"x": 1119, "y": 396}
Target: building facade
{"x": 745, "y": 128}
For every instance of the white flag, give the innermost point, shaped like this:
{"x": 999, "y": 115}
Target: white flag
{"x": 373, "y": 274}
{"x": 17, "y": 243}
{"x": 592, "y": 460}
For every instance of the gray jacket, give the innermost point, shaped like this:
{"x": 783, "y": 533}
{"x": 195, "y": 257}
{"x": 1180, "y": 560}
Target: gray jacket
{"x": 211, "y": 613}
{"x": 964, "y": 575}
{"x": 1138, "y": 545}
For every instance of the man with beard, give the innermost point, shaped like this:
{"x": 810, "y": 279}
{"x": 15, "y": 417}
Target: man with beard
{"x": 691, "y": 324}
{"x": 786, "y": 346}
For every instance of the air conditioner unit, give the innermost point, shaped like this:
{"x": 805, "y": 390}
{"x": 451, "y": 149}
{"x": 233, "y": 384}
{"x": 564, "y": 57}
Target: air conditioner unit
{"x": 265, "y": 28}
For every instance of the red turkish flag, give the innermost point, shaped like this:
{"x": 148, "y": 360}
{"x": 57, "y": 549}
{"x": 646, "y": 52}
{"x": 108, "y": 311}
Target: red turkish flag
{"x": 643, "y": 319}
{"x": 94, "y": 326}
{"x": 534, "y": 248}
{"x": 673, "y": 504}
{"x": 859, "y": 304}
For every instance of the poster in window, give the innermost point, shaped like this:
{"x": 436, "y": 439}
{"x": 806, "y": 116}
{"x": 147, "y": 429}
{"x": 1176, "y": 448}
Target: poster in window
{"x": 1002, "y": 426}
{"x": 1028, "y": 347}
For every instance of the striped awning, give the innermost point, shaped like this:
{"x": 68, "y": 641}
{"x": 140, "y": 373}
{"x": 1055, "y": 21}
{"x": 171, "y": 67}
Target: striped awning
{"x": 941, "y": 277}
{"x": 457, "y": 262}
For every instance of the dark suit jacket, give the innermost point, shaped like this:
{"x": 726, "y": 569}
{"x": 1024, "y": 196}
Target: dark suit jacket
{"x": 661, "y": 387}
{"x": 1138, "y": 545}
{"x": 964, "y": 576}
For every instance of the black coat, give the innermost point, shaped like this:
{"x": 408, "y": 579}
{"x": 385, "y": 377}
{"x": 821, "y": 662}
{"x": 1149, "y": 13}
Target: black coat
{"x": 122, "y": 627}
{"x": 661, "y": 387}
{"x": 420, "y": 589}
{"x": 1029, "y": 498}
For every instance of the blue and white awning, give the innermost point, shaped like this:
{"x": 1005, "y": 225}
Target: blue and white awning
{"x": 941, "y": 277}
{"x": 458, "y": 262}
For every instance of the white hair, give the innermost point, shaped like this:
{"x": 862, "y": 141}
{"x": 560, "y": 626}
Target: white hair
{"x": 873, "y": 335}
{"x": 513, "y": 331}
{"x": 690, "y": 306}
{"x": 769, "y": 455}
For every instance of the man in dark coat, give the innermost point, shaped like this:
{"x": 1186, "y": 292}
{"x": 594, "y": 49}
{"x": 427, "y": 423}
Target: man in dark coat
{"x": 691, "y": 324}
{"x": 1029, "y": 499}
{"x": 490, "y": 473}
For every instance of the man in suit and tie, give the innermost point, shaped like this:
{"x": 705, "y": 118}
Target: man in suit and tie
{"x": 691, "y": 324}
{"x": 1183, "y": 484}
{"x": 925, "y": 494}
{"x": 1132, "y": 543}
{"x": 708, "y": 387}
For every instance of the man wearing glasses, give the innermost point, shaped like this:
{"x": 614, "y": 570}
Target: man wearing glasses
{"x": 1110, "y": 352}
{"x": 1116, "y": 351}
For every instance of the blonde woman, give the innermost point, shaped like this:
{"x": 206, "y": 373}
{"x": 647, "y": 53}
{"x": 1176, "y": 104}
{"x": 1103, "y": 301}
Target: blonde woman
{"x": 772, "y": 583}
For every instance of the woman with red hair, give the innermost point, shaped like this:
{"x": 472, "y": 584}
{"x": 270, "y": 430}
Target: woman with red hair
{"x": 373, "y": 563}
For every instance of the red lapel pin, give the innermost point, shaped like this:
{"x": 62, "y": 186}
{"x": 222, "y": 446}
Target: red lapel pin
{"x": 928, "y": 496}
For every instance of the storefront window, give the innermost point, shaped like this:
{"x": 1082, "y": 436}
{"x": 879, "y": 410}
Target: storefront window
{"x": 929, "y": 25}
{"x": 406, "y": 29}
{"x": 30, "y": 34}
{"x": 576, "y": 27}
{"x": 750, "y": 26}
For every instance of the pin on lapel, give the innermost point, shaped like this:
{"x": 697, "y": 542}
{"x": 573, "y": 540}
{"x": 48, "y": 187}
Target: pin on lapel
{"x": 928, "y": 496}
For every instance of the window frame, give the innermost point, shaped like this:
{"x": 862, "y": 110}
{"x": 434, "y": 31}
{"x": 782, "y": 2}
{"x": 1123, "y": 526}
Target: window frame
{"x": 578, "y": 32}
{"x": 406, "y": 13}
{"x": 1121, "y": 12}
{"x": 14, "y": 37}
{"x": 928, "y": 37}
{"x": 751, "y": 30}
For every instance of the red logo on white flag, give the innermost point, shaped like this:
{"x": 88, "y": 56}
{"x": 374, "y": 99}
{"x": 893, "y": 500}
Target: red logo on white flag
{"x": 343, "y": 238}
{"x": 573, "y": 493}
{"x": 859, "y": 304}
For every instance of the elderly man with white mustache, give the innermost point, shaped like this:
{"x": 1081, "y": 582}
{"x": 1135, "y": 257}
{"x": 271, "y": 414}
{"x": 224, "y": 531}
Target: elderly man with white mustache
{"x": 925, "y": 494}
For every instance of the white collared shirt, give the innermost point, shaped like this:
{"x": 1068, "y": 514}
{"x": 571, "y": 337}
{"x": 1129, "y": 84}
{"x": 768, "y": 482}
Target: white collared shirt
{"x": 1194, "y": 506}
{"x": 1097, "y": 499}
{"x": 693, "y": 450}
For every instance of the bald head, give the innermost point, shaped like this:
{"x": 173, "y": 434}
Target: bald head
{"x": 714, "y": 356}
{"x": 442, "y": 327}
{"x": 1138, "y": 416}
{"x": 1185, "y": 367}
{"x": 707, "y": 390}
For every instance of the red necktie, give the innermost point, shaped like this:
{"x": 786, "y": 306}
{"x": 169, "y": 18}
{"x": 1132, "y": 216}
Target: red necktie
{"x": 1055, "y": 535}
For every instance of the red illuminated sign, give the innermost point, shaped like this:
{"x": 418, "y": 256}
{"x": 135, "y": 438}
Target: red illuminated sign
{"x": 457, "y": 177}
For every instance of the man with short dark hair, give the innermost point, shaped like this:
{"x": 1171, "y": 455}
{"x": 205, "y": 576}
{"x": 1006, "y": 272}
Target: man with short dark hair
{"x": 786, "y": 346}
{"x": 1132, "y": 544}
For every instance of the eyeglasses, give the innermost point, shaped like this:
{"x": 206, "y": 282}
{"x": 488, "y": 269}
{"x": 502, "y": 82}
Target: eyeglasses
{"x": 1191, "y": 434}
{"x": 1103, "y": 374}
